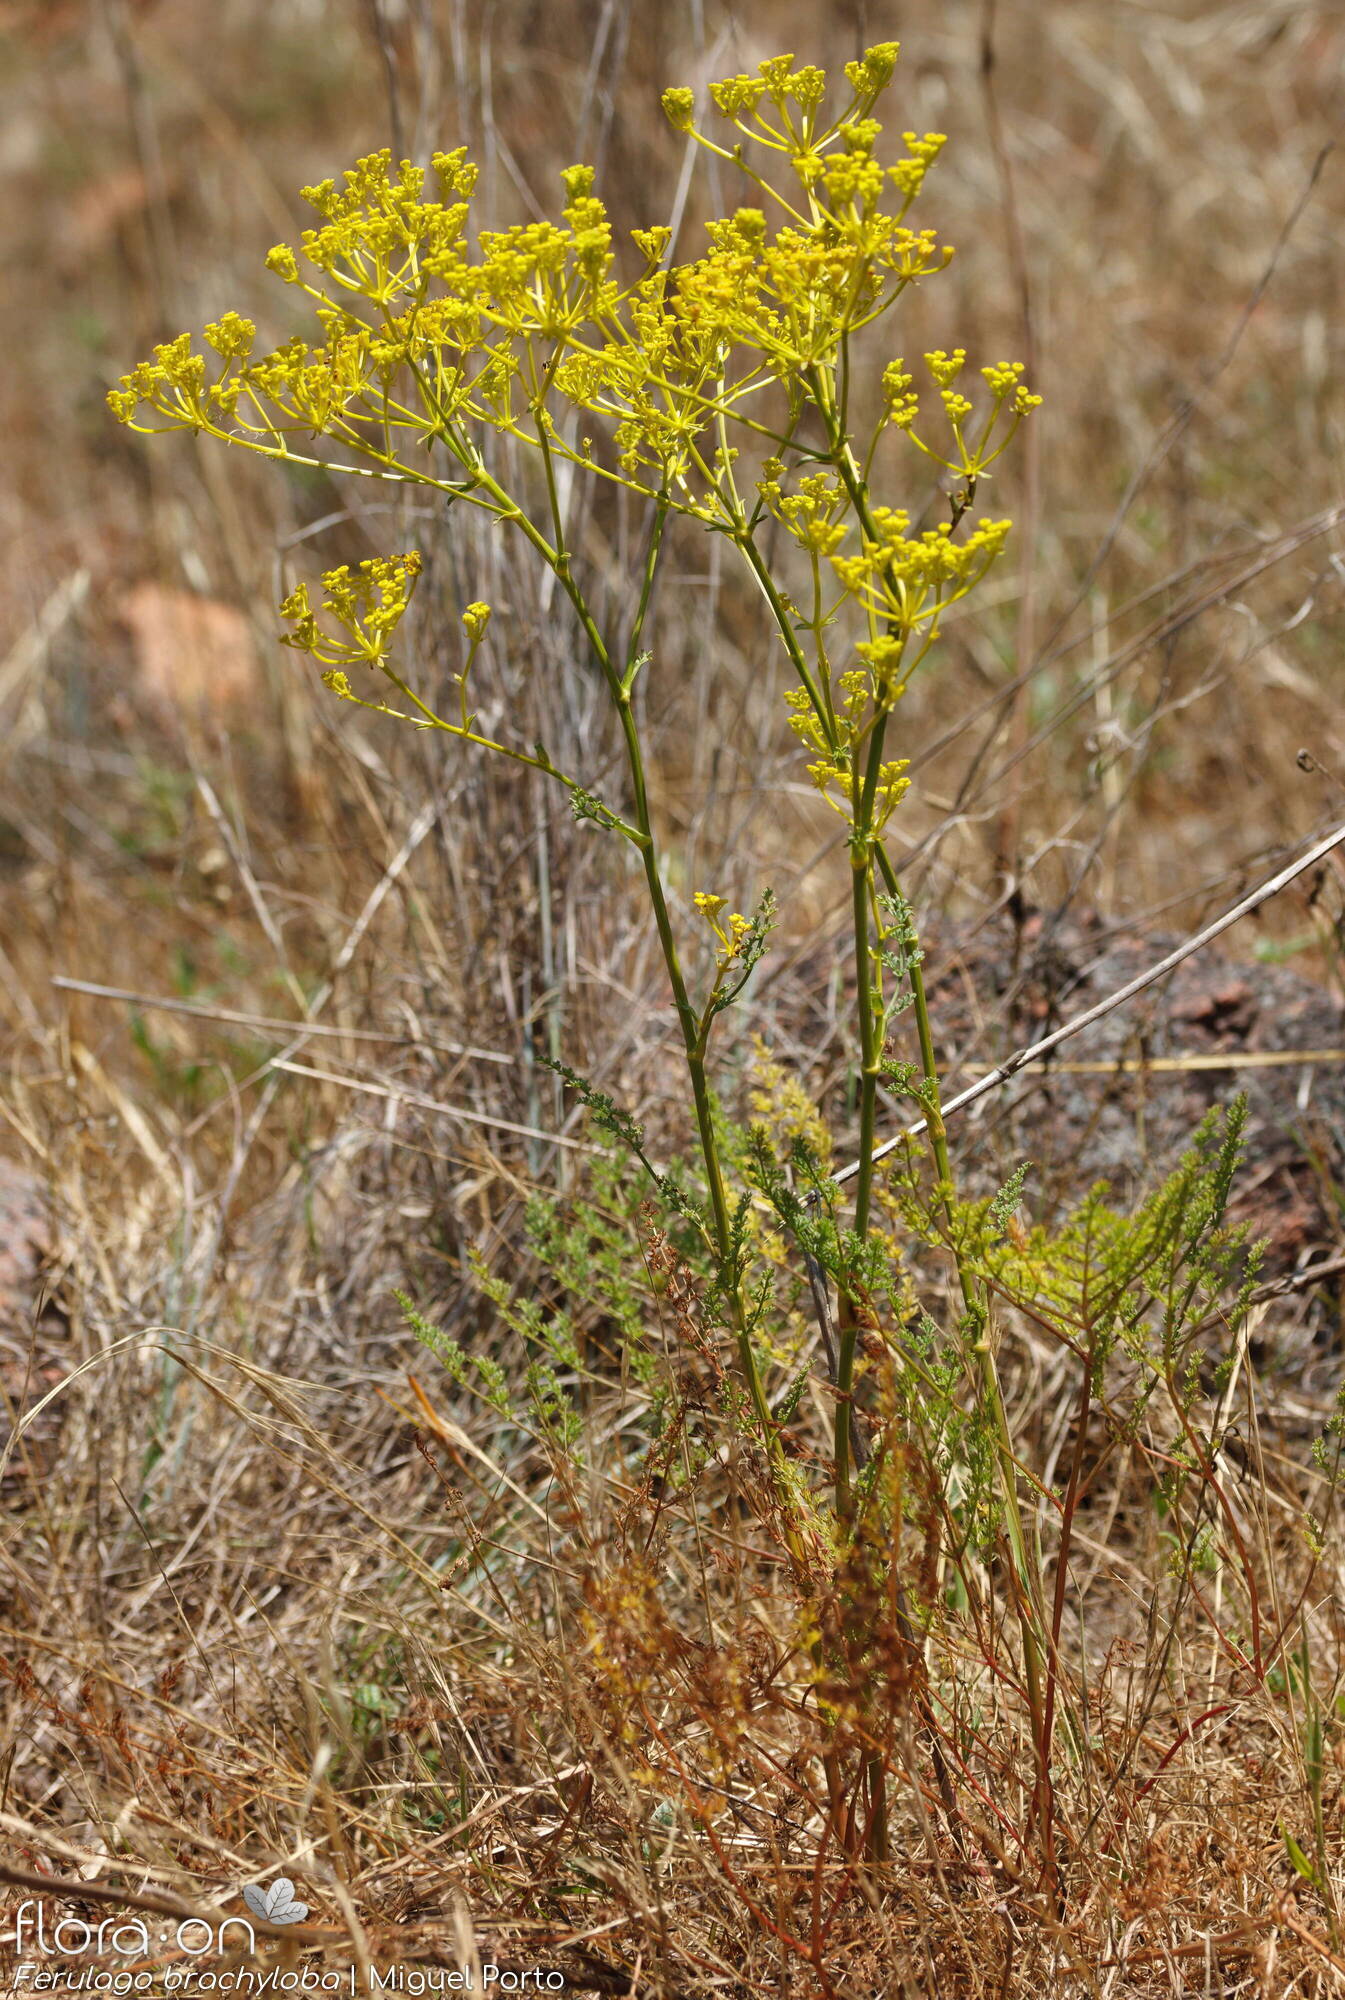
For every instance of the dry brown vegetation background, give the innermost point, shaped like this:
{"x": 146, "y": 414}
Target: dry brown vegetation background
{"x": 223, "y": 1648}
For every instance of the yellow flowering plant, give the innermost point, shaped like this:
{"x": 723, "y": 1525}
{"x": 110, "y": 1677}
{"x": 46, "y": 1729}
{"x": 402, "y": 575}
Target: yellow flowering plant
{"x": 731, "y": 389}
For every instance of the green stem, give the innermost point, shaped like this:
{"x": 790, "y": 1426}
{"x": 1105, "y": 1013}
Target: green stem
{"x": 870, "y": 1049}
{"x": 1027, "y": 1584}
{"x": 533, "y": 761}
{"x": 693, "y": 1037}
{"x": 633, "y": 654}
{"x": 819, "y": 693}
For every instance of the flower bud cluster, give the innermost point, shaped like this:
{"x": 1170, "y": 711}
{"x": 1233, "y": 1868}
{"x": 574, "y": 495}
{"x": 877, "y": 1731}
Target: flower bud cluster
{"x": 366, "y": 605}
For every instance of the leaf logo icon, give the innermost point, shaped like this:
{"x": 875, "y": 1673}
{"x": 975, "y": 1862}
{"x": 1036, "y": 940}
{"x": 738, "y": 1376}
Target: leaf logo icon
{"x": 275, "y": 1905}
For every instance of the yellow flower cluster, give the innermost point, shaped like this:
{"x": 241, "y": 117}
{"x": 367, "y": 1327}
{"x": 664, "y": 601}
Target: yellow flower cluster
{"x": 427, "y": 337}
{"x": 909, "y": 580}
{"x": 840, "y": 738}
{"x": 433, "y": 337}
{"x": 732, "y": 932}
{"x": 367, "y": 606}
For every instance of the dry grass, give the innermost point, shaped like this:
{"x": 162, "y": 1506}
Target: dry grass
{"x": 266, "y": 1602}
